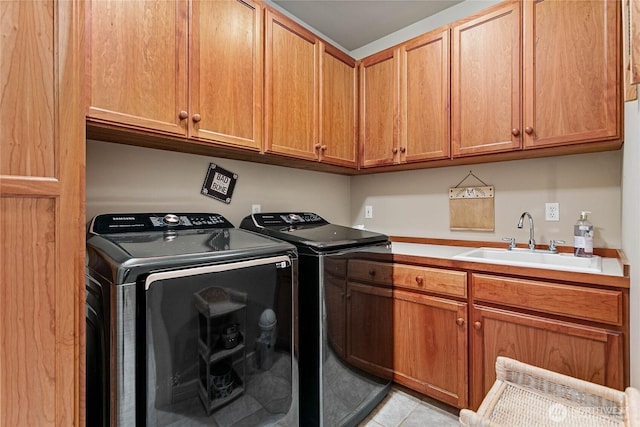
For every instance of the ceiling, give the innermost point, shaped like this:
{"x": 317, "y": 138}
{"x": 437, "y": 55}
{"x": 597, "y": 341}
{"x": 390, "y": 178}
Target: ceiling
{"x": 356, "y": 23}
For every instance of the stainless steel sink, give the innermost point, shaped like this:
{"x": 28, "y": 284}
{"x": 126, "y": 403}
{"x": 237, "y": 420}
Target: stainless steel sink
{"x": 538, "y": 259}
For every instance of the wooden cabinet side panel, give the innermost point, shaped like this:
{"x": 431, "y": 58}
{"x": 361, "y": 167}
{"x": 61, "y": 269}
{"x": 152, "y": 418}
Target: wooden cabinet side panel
{"x": 591, "y": 354}
{"x": 28, "y": 312}
{"x": 430, "y": 346}
{"x": 291, "y": 85}
{"x": 27, "y": 104}
{"x": 379, "y": 90}
{"x": 42, "y": 314}
{"x": 486, "y": 75}
{"x": 572, "y": 81}
{"x": 136, "y": 63}
{"x": 226, "y": 72}
{"x": 338, "y": 131}
{"x": 425, "y": 124}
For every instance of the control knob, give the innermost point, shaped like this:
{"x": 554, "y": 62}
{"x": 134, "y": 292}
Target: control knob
{"x": 171, "y": 219}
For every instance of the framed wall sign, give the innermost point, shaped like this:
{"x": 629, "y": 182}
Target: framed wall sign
{"x": 219, "y": 183}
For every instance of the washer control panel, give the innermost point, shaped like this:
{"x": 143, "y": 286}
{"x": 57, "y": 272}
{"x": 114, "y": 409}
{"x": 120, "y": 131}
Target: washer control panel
{"x": 141, "y": 222}
{"x": 280, "y": 219}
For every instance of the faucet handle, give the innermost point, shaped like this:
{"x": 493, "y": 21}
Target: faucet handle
{"x": 511, "y": 240}
{"x": 552, "y": 245}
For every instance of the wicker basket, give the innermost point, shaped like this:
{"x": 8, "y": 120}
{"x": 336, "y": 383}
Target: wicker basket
{"x": 525, "y": 395}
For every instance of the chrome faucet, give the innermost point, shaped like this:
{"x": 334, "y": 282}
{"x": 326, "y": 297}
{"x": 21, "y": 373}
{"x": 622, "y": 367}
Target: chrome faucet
{"x": 532, "y": 241}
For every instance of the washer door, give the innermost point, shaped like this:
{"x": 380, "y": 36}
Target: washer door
{"x": 219, "y": 344}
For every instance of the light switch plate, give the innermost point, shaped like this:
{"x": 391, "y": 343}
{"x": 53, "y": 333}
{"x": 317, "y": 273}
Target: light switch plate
{"x": 368, "y": 211}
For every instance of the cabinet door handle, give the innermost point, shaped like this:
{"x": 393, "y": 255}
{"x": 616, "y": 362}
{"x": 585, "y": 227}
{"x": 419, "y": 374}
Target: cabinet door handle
{"x": 528, "y": 130}
{"x": 323, "y": 147}
{"x": 459, "y": 321}
{"x": 317, "y": 146}
{"x": 420, "y": 280}
{"x": 403, "y": 149}
{"x": 183, "y": 115}
{"x": 395, "y": 150}
{"x": 477, "y": 326}
{"x": 515, "y": 132}
{"x": 196, "y": 118}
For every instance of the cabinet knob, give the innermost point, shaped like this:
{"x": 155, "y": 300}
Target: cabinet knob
{"x": 317, "y": 146}
{"x": 196, "y": 118}
{"x": 419, "y": 280}
{"x": 372, "y": 272}
{"x": 477, "y": 326}
{"x": 528, "y": 130}
{"x": 459, "y": 321}
{"x": 395, "y": 150}
{"x": 183, "y": 115}
{"x": 323, "y": 147}
{"x": 515, "y": 132}
{"x": 403, "y": 149}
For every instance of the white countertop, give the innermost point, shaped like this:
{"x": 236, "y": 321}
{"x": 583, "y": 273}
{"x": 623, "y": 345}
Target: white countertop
{"x": 610, "y": 266}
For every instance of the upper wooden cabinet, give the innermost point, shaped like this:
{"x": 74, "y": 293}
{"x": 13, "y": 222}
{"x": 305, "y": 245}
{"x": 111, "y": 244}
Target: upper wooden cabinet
{"x": 180, "y": 68}
{"x": 424, "y": 101}
{"x": 42, "y": 193}
{"x": 226, "y": 72}
{"x": 379, "y": 103}
{"x": 338, "y": 136}
{"x": 572, "y": 72}
{"x": 571, "y": 63}
{"x": 404, "y": 102}
{"x": 310, "y": 95}
{"x": 485, "y": 88}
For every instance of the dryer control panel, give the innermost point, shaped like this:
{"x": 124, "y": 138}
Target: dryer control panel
{"x": 137, "y": 222}
{"x": 281, "y": 219}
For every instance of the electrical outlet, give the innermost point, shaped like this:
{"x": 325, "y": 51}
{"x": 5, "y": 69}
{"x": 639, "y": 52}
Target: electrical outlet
{"x": 368, "y": 211}
{"x": 255, "y": 208}
{"x": 552, "y": 211}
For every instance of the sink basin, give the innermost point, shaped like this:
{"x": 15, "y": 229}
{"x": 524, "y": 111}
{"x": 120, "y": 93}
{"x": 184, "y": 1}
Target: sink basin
{"x": 538, "y": 259}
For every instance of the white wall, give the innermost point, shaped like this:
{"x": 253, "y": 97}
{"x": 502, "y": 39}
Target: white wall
{"x": 631, "y": 225}
{"x": 416, "y": 203}
{"x": 122, "y": 178}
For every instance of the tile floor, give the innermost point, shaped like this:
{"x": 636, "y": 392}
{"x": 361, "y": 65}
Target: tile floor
{"x": 402, "y": 408}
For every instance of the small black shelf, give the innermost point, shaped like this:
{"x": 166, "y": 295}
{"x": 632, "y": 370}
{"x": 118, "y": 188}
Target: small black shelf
{"x": 221, "y": 310}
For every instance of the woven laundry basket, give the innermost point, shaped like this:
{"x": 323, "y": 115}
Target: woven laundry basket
{"x": 528, "y": 396}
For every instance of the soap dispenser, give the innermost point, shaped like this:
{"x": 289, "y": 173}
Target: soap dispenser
{"x": 583, "y": 236}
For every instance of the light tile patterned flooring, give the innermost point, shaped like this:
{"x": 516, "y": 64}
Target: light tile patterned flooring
{"x": 402, "y": 408}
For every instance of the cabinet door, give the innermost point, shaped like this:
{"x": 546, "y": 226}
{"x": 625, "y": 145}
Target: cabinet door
{"x": 226, "y": 69}
{"x": 486, "y": 96}
{"x": 588, "y": 353}
{"x": 335, "y": 306}
{"x": 379, "y": 101}
{"x": 370, "y": 310}
{"x": 42, "y": 140}
{"x": 136, "y": 63}
{"x": 572, "y": 81}
{"x": 291, "y": 85}
{"x": 424, "y": 101}
{"x": 430, "y": 346}
{"x": 338, "y": 108}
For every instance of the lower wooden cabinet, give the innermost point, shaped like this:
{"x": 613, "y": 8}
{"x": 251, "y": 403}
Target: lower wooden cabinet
{"x": 449, "y": 326}
{"x": 370, "y": 329}
{"x": 571, "y": 329}
{"x": 430, "y": 346}
{"x": 589, "y": 353}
